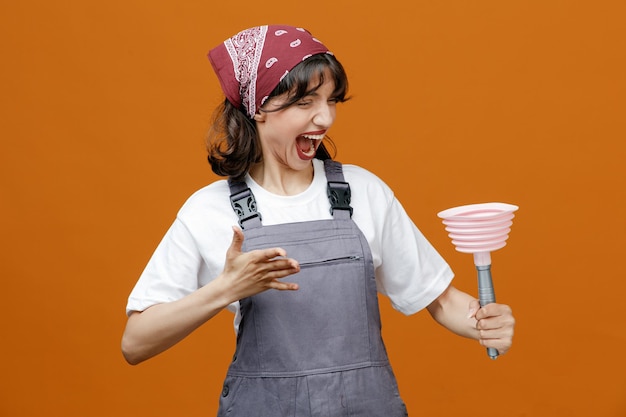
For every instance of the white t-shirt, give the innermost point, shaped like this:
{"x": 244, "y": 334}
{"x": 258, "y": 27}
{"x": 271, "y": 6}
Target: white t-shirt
{"x": 192, "y": 253}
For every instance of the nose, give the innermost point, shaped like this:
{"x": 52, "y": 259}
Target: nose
{"x": 325, "y": 115}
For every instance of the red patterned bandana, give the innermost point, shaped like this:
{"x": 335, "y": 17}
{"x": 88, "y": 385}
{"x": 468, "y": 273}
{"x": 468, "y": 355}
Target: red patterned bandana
{"x": 252, "y": 63}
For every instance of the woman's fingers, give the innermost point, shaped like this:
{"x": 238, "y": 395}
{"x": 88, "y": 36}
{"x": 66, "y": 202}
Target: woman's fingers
{"x": 235, "y": 244}
{"x": 252, "y": 272}
{"x": 283, "y": 286}
{"x": 495, "y": 325}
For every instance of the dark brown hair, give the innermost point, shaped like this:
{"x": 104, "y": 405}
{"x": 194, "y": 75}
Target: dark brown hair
{"x": 233, "y": 143}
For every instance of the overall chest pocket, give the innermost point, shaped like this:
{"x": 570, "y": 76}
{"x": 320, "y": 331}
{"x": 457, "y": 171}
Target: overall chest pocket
{"x": 322, "y": 325}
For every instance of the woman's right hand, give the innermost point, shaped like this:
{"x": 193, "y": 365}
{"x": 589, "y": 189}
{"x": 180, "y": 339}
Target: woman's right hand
{"x": 161, "y": 326}
{"x": 249, "y": 273}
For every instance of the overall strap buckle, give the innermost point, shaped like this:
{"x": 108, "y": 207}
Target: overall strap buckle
{"x": 338, "y": 190}
{"x": 339, "y": 196}
{"x": 243, "y": 203}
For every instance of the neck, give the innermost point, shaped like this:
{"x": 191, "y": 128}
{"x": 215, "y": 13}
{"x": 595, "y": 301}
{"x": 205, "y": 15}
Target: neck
{"x": 282, "y": 180}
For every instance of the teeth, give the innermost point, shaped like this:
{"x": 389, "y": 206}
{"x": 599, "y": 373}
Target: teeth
{"x": 314, "y": 137}
{"x": 312, "y": 140}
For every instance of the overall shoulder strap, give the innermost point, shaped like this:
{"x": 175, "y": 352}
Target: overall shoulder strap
{"x": 338, "y": 190}
{"x": 243, "y": 203}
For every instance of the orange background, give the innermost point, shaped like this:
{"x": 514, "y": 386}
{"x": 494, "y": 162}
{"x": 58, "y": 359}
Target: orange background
{"x": 104, "y": 107}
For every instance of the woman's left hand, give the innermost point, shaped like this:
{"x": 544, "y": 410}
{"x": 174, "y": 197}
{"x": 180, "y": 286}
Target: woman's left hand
{"x": 495, "y": 325}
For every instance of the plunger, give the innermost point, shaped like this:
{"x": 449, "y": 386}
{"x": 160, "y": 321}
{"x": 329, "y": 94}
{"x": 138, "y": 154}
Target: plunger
{"x": 480, "y": 229}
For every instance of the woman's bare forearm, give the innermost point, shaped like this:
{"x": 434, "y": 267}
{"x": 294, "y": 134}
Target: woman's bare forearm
{"x": 492, "y": 325}
{"x": 452, "y": 310}
{"x": 161, "y": 326}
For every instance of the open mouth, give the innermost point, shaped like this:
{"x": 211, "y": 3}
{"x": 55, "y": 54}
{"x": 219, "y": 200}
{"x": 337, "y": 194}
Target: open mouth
{"x": 307, "y": 145}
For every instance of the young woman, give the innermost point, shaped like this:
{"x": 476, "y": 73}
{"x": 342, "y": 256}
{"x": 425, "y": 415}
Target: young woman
{"x": 296, "y": 245}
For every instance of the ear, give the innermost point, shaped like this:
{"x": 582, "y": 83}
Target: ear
{"x": 259, "y": 116}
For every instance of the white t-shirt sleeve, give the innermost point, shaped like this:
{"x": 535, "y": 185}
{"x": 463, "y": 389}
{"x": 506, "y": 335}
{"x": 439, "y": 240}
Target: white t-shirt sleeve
{"x": 412, "y": 273}
{"x": 408, "y": 268}
{"x": 172, "y": 272}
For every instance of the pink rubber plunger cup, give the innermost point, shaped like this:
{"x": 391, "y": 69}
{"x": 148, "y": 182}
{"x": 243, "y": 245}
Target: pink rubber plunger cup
{"x": 480, "y": 229}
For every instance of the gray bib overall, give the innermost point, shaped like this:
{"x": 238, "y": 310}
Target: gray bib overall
{"x": 316, "y": 351}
